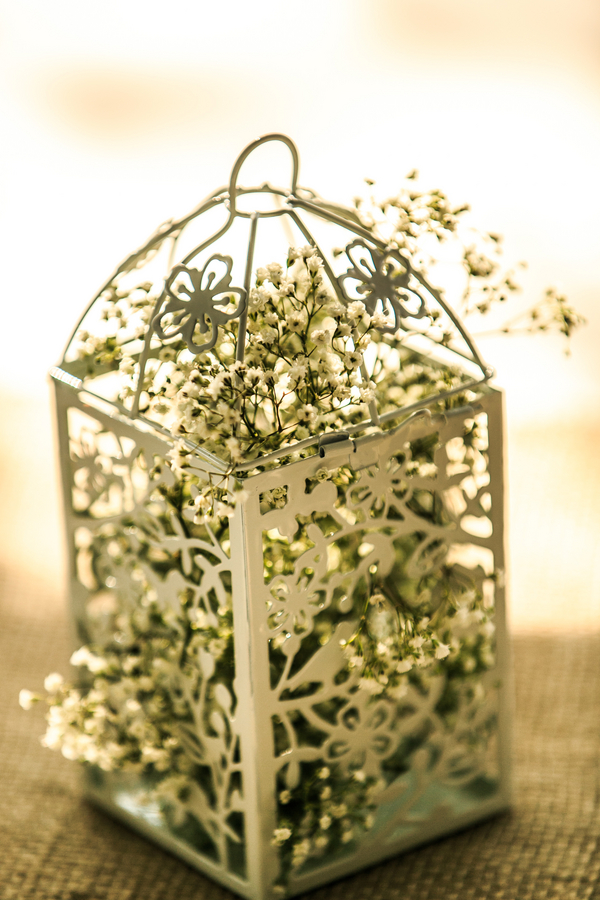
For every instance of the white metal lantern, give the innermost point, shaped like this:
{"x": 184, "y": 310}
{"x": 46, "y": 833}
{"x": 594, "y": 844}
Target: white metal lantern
{"x": 315, "y": 671}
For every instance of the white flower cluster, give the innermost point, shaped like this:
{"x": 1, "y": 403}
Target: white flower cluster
{"x": 389, "y": 647}
{"x": 302, "y": 370}
{"x": 124, "y": 316}
{"x": 131, "y": 713}
{"x": 331, "y": 808}
{"x": 128, "y": 719}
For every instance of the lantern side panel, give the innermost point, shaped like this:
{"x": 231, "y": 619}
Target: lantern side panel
{"x": 152, "y": 597}
{"x": 376, "y": 590}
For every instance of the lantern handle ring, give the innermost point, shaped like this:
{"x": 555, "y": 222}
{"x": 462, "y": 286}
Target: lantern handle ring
{"x": 264, "y": 139}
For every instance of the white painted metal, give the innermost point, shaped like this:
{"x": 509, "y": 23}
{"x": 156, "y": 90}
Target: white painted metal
{"x": 294, "y": 703}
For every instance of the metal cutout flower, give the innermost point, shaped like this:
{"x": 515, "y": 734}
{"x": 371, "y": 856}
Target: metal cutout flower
{"x": 204, "y": 304}
{"x": 379, "y": 281}
{"x": 364, "y": 734}
{"x": 94, "y": 477}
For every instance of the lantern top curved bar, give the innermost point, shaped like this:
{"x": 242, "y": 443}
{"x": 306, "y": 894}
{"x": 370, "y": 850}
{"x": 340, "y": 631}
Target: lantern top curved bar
{"x": 386, "y": 279}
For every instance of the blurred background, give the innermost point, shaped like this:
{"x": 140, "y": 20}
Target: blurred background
{"x": 117, "y": 116}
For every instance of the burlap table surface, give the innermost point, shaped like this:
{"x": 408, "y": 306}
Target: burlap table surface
{"x": 55, "y": 846}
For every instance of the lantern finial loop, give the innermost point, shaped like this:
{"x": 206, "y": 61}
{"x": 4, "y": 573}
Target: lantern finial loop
{"x": 284, "y": 139}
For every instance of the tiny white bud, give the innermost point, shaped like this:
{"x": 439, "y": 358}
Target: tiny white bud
{"x": 53, "y": 682}
{"x": 27, "y": 699}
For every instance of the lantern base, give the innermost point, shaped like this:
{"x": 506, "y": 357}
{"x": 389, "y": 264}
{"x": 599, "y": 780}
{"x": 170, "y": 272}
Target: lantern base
{"x": 441, "y": 812}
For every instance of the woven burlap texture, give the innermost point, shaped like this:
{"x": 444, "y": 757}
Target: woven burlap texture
{"x": 55, "y": 846}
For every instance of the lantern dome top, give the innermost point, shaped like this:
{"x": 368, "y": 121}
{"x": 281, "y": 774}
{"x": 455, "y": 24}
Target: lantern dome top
{"x": 249, "y": 334}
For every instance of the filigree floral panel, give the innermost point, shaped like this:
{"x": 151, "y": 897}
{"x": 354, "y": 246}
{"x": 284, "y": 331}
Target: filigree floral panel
{"x": 159, "y": 603}
{"x": 378, "y": 587}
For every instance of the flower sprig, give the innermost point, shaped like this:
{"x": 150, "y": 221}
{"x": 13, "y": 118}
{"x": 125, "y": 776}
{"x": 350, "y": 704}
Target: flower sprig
{"x": 418, "y": 221}
{"x": 128, "y": 712}
{"x": 311, "y": 364}
{"x": 328, "y": 810}
{"x": 391, "y": 649}
{"x": 302, "y": 370}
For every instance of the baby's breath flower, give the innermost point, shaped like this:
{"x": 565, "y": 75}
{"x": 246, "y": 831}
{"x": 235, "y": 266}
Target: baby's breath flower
{"x": 367, "y": 393}
{"x": 231, "y": 416}
{"x": 314, "y": 263}
{"x": 342, "y": 392}
{"x": 487, "y": 657}
{"x": 27, "y": 699}
{"x": 198, "y": 618}
{"x": 268, "y": 335}
{"x": 53, "y": 737}
{"x": 274, "y": 272}
{"x": 339, "y": 810}
{"x": 488, "y": 629}
{"x": 253, "y": 376}
{"x": 353, "y": 359}
{"x": 217, "y": 647}
{"x": 405, "y": 665}
{"x": 324, "y": 367}
{"x": 370, "y": 685}
{"x": 296, "y": 320}
{"x": 286, "y": 286}
{"x": 53, "y": 682}
{"x": 307, "y": 413}
{"x": 280, "y": 836}
{"x": 356, "y": 309}
{"x": 83, "y": 657}
{"x": 297, "y": 373}
{"x": 336, "y": 309}
{"x": 302, "y": 848}
{"x": 320, "y": 336}
{"x": 214, "y": 389}
{"x": 127, "y": 366}
{"x": 161, "y": 406}
{"x": 235, "y": 449}
{"x": 259, "y": 296}
{"x": 380, "y": 320}
{"x": 356, "y": 662}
